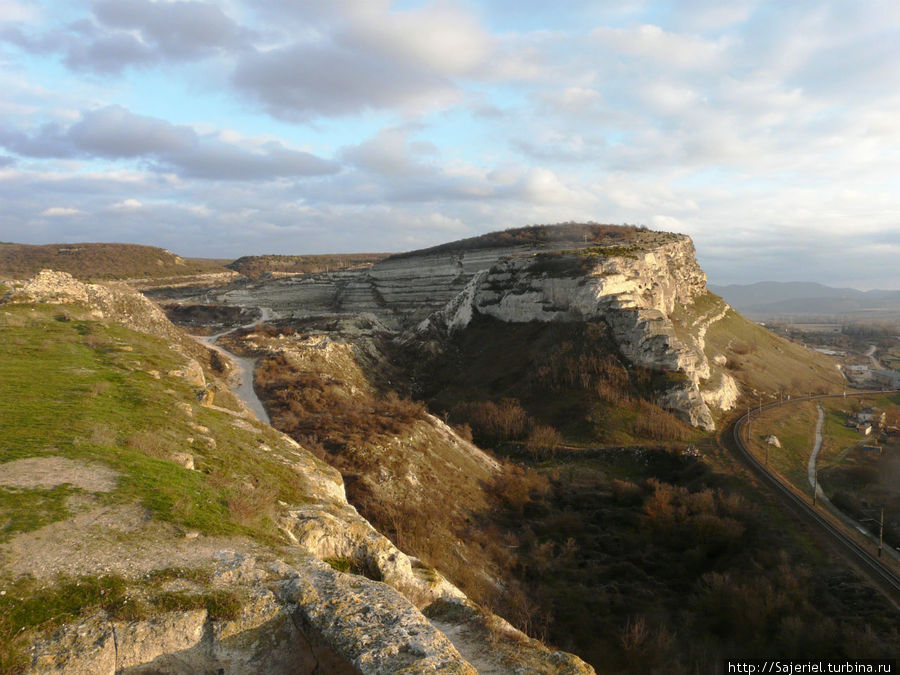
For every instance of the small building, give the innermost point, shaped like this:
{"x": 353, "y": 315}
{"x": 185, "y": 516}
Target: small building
{"x": 871, "y": 448}
{"x": 872, "y": 416}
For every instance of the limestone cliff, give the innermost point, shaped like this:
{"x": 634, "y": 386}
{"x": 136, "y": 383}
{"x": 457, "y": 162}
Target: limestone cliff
{"x": 635, "y": 280}
{"x": 635, "y": 289}
{"x": 635, "y": 292}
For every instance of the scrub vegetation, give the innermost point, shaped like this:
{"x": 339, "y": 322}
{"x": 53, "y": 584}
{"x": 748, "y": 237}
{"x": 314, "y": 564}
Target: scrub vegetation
{"x": 100, "y": 261}
{"x": 598, "y": 533}
{"x": 559, "y": 235}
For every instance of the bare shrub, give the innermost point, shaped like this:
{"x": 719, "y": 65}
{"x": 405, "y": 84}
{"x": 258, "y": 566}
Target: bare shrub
{"x": 249, "y": 505}
{"x": 658, "y": 424}
{"x": 626, "y": 492}
{"x": 311, "y": 404}
{"x": 96, "y": 342}
{"x": 733, "y": 364}
{"x": 543, "y": 441}
{"x": 492, "y": 422}
{"x": 148, "y": 442}
{"x": 515, "y": 487}
{"x": 464, "y": 431}
{"x": 743, "y": 348}
{"x": 98, "y": 388}
{"x": 646, "y": 647}
{"x": 102, "y": 434}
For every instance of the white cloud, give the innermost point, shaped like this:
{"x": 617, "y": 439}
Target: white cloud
{"x": 441, "y": 34}
{"x": 663, "y": 48}
{"x": 60, "y": 212}
{"x": 11, "y": 10}
{"x": 763, "y": 129}
{"x": 116, "y": 133}
{"x": 127, "y": 205}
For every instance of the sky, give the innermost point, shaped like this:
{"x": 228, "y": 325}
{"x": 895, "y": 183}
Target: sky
{"x": 767, "y": 131}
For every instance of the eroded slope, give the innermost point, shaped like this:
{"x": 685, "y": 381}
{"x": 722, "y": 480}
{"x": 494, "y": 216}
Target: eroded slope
{"x": 149, "y": 523}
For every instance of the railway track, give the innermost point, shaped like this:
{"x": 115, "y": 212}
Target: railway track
{"x": 880, "y": 574}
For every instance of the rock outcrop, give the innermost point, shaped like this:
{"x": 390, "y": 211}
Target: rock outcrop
{"x": 635, "y": 285}
{"x": 117, "y": 302}
{"x": 635, "y": 292}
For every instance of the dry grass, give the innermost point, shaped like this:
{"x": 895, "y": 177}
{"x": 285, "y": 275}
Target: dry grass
{"x": 765, "y": 362}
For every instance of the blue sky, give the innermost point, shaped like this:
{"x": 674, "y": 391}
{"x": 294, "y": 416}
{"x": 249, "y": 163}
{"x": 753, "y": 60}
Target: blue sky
{"x": 768, "y": 131}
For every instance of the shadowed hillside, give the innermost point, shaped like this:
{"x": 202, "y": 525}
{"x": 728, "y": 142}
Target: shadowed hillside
{"x": 101, "y": 261}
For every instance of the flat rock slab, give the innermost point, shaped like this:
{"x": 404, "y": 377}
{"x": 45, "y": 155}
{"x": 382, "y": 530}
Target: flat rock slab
{"x": 48, "y": 472}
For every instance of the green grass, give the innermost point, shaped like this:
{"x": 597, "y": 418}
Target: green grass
{"x": 611, "y": 251}
{"x": 343, "y": 565}
{"x": 67, "y": 388}
{"x": 219, "y": 604}
{"x": 27, "y": 606}
{"x": 837, "y": 437}
{"x": 24, "y": 510}
{"x": 765, "y": 362}
{"x": 81, "y": 389}
{"x": 794, "y": 425}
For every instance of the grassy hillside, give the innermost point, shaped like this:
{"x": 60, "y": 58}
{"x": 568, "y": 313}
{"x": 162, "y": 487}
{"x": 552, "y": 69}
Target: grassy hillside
{"x": 100, "y": 261}
{"x": 859, "y": 480}
{"x": 767, "y": 363}
{"x": 98, "y": 421}
{"x": 254, "y": 266}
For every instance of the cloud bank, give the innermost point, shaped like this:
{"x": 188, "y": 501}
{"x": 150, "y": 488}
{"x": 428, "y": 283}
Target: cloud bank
{"x": 768, "y": 131}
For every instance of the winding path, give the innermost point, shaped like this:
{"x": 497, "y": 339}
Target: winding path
{"x": 243, "y": 367}
{"x": 870, "y": 352}
{"x": 814, "y": 456}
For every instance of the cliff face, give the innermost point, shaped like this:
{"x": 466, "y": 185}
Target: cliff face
{"x": 636, "y": 284}
{"x": 635, "y": 290}
{"x": 178, "y": 537}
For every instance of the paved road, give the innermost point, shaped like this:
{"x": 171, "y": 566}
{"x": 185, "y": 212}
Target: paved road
{"x": 870, "y": 352}
{"x": 243, "y": 368}
{"x": 814, "y": 456}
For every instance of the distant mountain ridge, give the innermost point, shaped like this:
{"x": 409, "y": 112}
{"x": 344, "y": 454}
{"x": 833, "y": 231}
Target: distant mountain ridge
{"x": 770, "y": 298}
